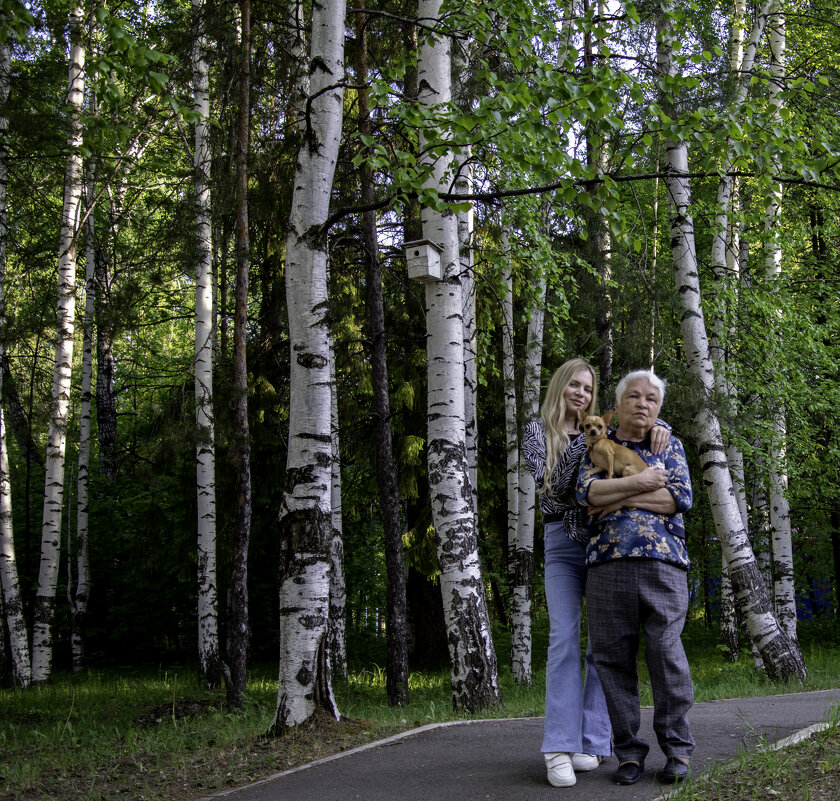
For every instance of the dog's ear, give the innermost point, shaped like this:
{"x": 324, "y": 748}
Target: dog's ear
{"x": 608, "y": 416}
{"x": 581, "y": 415}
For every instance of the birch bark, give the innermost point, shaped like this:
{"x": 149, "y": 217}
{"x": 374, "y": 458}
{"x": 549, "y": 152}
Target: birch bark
{"x": 238, "y": 625}
{"x": 600, "y": 239}
{"x": 305, "y": 518}
{"x": 472, "y": 657}
{"x": 337, "y": 627}
{"x": 524, "y": 577}
{"x": 520, "y": 630}
{"x": 466, "y": 224}
{"x": 726, "y": 269}
{"x": 783, "y": 578}
{"x": 780, "y": 654}
{"x": 9, "y": 583}
{"x": 79, "y": 598}
{"x": 208, "y": 626}
{"x": 42, "y": 639}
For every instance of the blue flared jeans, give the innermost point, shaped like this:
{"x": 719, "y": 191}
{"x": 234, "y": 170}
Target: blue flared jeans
{"x": 576, "y": 717}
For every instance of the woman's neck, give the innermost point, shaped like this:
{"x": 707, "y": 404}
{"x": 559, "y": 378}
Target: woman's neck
{"x": 631, "y": 433}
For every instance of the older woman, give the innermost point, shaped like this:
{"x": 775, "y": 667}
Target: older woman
{"x": 637, "y": 581}
{"x": 577, "y": 726}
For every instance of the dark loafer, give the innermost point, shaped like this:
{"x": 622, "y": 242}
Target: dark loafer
{"x": 628, "y": 773}
{"x": 675, "y": 771}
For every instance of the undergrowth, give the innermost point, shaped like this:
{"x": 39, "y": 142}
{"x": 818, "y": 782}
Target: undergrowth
{"x": 156, "y": 734}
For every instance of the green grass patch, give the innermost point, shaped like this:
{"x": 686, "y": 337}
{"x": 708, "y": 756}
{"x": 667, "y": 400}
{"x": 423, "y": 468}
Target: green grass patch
{"x": 156, "y": 734}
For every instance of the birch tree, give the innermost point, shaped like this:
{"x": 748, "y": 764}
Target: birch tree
{"x": 9, "y": 583}
{"x": 472, "y": 657}
{"x": 337, "y": 625}
{"x": 305, "y": 517}
{"x": 726, "y": 270}
{"x": 526, "y": 505}
{"x": 520, "y": 482}
{"x": 600, "y": 240}
{"x": 208, "y": 626}
{"x": 520, "y": 629}
{"x": 43, "y": 611}
{"x": 783, "y": 579}
{"x": 780, "y": 654}
{"x": 238, "y": 626}
{"x": 79, "y": 596}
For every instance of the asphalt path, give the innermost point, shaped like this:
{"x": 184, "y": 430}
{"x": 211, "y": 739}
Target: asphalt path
{"x": 500, "y": 759}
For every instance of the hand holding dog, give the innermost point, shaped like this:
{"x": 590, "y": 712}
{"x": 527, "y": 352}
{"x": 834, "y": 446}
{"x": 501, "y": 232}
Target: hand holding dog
{"x": 650, "y": 479}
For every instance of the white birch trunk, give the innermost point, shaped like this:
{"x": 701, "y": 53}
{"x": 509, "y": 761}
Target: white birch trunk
{"x": 338, "y": 588}
{"x": 726, "y": 268}
{"x": 472, "y": 657}
{"x": 783, "y": 578}
{"x": 12, "y": 606}
{"x": 306, "y": 516}
{"x": 520, "y": 630}
{"x": 522, "y": 585}
{"x": 208, "y": 625}
{"x": 60, "y": 400}
{"x": 468, "y": 288}
{"x": 599, "y": 231}
{"x": 780, "y": 654}
{"x": 79, "y": 600}
{"x": 759, "y": 533}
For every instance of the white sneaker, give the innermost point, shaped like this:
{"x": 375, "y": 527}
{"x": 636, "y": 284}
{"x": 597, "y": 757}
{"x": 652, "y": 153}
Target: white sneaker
{"x": 560, "y": 770}
{"x": 584, "y": 762}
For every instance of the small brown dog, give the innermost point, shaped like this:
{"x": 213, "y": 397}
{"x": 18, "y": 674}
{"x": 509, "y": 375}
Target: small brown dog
{"x": 605, "y": 454}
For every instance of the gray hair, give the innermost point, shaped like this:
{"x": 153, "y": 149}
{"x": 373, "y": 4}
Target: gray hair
{"x": 637, "y": 375}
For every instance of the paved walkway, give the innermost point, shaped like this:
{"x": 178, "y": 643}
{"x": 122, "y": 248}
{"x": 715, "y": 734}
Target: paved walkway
{"x": 500, "y": 759}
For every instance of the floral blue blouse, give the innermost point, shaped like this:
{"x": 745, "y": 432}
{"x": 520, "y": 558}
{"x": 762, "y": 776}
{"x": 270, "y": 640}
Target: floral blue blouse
{"x": 639, "y": 533}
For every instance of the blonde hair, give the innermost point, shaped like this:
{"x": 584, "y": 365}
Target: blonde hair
{"x": 553, "y": 413}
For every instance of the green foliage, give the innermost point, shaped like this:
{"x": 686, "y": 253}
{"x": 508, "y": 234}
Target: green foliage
{"x": 537, "y": 91}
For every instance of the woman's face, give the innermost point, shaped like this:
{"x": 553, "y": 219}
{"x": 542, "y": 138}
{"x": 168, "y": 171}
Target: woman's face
{"x": 639, "y": 406}
{"x": 578, "y": 393}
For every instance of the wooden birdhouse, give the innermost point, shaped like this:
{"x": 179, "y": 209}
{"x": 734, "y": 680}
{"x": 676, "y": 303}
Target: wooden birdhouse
{"x": 423, "y": 259}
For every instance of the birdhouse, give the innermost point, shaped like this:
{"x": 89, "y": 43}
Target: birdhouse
{"x": 423, "y": 259}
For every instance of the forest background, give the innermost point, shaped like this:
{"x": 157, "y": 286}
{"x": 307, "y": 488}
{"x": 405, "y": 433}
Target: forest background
{"x": 124, "y": 187}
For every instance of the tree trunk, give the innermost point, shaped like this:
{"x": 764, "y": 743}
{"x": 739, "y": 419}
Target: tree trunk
{"x": 520, "y": 629}
{"x": 386, "y": 470}
{"x": 725, "y": 265}
{"x": 42, "y": 640}
{"x": 79, "y": 599}
{"x": 522, "y": 588}
{"x": 11, "y": 600}
{"x": 783, "y": 579}
{"x": 599, "y": 238}
{"x": 337, "y": 626}
{"x": 305, "y": 518}
{"x": 472, "y": 658}
{"x": 208, "y": 625}
{"x": 106, "y": 407}
{"x": 238, "y": 627}
{"x": 780, "y": 654}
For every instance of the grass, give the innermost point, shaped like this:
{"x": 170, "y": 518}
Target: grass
{"x": 156, "y": 735}
{"x": 807, "y": 771}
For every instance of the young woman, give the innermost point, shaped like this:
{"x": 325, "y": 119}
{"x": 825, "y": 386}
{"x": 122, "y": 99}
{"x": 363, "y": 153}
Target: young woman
{"x": 577, "y": 726}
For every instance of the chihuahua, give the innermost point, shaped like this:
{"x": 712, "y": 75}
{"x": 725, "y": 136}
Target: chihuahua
{"x": 605, "y": 454}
